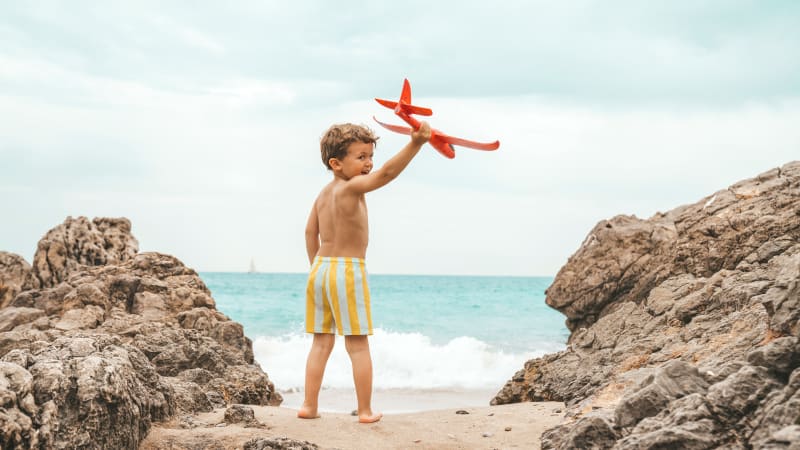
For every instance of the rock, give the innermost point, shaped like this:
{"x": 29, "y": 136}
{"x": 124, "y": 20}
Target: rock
{"x": 462, "y": 411}
{"x": 189, "y": 396}
{"x": 683, "y": 327}
{"x": 94, "y": 379}
{"x": 11, "y": 318}
{"x": 97, "y": 342}
{"x": 778, "y": 411}
{"x": 780, "y": 355}
{"x": 787, "y": 437}
{"x": 588, "y": 432}
{"x": 673, "y": 380}
{"x": 15, "y": 276}
{"x": 80, "y": 242}
{"x": 278, "y": 443}
{"x": 239, "y": 414}
{"x": 739, "y": 394}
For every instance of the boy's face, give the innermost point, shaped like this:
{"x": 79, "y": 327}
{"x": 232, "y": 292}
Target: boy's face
{"x": 358, "y": 160}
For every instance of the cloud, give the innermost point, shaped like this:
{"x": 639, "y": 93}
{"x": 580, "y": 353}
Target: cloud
{"x": 607, "y": 53}
{"x": 202, "y": 124}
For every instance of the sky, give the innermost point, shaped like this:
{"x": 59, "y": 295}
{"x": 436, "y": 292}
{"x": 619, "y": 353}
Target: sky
{"x": 200, "y": 121}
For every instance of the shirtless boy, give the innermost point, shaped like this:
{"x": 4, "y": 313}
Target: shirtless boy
{"x": 337, "y": 295}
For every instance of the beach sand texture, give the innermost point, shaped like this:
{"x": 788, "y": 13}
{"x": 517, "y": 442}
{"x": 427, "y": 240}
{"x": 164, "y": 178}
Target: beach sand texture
{"x": 481, "y": 428}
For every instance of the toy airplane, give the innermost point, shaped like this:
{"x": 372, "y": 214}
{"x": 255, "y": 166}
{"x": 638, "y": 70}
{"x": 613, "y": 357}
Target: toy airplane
{"x": 440, "y": 141}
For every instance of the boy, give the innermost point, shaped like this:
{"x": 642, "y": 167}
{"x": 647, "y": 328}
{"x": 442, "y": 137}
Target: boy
{"x": 337, "y": 295}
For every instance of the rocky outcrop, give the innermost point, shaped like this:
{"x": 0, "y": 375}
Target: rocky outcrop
{"x": 98, "y": 341}
{"x": 79, "y": 243}
{"x": 684, "y": 327}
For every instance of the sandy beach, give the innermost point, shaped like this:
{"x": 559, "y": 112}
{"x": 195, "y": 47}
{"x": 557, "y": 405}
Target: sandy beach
{"x": 395, "y": 401}
{"x": 508, "y": 426}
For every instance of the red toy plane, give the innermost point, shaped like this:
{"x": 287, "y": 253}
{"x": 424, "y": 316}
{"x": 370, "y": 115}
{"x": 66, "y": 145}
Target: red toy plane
{"x": 440, "y": 141}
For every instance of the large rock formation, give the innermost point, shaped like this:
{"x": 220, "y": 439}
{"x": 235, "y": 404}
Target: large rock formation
{"x": 684, "y": 327}
{"x": 98, "y": 341}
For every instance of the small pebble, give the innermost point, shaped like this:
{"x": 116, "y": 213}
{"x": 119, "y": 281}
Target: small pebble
{"x": 508, "y": 428}
{"x": 557, "y": 411}
{"x": 487, "y": 434}
{"x": 354, "y": 412}
{"x": 417, "y": 441}
{"x": 491, "y": 414}
{"x": 462, "y": 411}
{"x": 451, "y": 436}
{"x": 223, "y": 424}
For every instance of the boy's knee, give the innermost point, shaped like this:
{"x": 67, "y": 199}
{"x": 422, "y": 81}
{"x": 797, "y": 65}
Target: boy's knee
{"x": 324, "y": 342}
{"x": 356, "y": 343}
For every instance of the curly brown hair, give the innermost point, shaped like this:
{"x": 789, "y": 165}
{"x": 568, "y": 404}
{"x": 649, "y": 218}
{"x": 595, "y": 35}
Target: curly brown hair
{"x": 337, "y": 139}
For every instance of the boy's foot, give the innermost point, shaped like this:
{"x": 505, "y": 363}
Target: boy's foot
{"x": 370, "y": 419}
{"x": 307, "y": 413}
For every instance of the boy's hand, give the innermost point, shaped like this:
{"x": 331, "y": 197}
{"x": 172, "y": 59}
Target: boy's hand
{"x": 422, "y": 135}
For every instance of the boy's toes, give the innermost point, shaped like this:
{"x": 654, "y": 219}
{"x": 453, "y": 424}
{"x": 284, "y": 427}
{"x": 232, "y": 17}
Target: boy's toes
{"x": 370, "y": 419}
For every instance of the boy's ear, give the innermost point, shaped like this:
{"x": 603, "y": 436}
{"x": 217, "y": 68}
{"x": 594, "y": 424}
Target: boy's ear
{"x": 335, "y": 164}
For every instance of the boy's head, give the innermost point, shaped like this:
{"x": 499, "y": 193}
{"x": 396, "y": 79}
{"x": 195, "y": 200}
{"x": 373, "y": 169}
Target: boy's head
{"x": 337, "y": 139}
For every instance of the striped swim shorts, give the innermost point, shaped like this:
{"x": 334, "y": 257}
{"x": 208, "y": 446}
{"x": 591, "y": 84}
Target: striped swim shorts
{"x": 337, "y": 296}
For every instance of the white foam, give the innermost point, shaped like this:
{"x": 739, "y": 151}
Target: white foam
{"x": 400, "y": 361}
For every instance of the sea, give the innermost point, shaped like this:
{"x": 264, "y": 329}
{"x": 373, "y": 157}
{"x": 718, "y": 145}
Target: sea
{"x": 440, "y": 342}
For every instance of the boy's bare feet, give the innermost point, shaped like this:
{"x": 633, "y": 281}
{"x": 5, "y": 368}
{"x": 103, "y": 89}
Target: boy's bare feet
{"x": 306, "y": 412}
{"x": 369, "y": 418}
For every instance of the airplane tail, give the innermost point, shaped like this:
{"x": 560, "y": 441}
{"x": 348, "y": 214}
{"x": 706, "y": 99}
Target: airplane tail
{"x": 404, "y": 105}
{"x": 387, "y": 103}
{"x": 405, "y": 100}
{"x": 405, "y": 95}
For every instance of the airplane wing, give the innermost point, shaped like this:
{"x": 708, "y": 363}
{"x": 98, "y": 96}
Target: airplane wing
{"x": 470, "y": 144}
{"x": 488, "y": 146}
{"x": 395, "y": 128}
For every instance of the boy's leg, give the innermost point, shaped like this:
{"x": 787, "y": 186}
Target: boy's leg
{"x": 358, "y": 349}
{"x": 315, "y": 368}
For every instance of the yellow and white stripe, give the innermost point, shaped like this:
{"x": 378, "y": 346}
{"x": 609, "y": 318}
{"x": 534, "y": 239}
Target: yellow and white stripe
{"x": 337, "y": 295}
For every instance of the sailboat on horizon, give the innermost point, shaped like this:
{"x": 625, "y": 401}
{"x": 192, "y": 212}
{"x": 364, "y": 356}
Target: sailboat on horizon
{"x": 252, "y": 266}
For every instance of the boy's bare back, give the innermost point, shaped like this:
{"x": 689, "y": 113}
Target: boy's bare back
{"x": 338, "y": 224}
{"x": 343, "y": 224}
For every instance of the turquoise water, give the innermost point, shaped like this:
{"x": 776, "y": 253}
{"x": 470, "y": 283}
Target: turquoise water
{"x": 431, "y": 332}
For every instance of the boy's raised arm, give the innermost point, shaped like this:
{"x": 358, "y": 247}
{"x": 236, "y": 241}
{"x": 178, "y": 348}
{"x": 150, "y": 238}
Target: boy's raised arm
{"x": 391, "y": 168}
{"x": 312, "y": 234}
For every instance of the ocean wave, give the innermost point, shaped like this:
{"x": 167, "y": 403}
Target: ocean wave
{"x": 400, "y": 361}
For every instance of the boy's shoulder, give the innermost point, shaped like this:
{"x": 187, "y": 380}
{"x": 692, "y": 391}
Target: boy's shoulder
{"x": 328, "y": 190}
